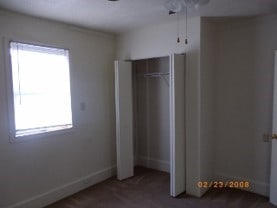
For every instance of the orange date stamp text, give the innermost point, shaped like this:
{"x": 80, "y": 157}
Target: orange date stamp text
{"x": 224, "y": 184}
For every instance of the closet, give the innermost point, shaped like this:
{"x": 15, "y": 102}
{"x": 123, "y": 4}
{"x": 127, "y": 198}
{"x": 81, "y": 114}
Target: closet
{"x": 150, "y": 117}
{"x": 151, "y": 113}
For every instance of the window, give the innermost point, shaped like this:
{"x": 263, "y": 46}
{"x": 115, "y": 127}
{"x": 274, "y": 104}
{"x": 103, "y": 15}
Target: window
{"x": 41, "y": 89}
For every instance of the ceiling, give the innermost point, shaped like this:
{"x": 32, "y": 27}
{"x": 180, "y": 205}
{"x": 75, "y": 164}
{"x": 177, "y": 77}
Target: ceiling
{"x": 124, "y": 15}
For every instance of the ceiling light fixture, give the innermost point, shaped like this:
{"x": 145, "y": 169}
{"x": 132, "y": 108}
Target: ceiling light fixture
{"x": 195, "y": 3}
{"x": 179, "y": 6}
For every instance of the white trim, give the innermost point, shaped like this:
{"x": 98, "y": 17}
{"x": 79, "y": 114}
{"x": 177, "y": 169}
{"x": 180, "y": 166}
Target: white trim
{"x": 9, "y": 87}
{"x": 68, "y": 189}
{"x": 257, "y": 187}
{"x": 156, "y": 164}
{"x": 273, "y": 162}
{"x": 117, "y": 115}
{"x": 59, "y": 132}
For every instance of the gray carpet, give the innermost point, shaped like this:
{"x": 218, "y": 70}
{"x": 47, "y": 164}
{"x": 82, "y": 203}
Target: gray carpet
{"x": 150, "y": 189}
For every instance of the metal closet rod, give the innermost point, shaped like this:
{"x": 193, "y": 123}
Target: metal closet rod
{"x": 156, "y": 74}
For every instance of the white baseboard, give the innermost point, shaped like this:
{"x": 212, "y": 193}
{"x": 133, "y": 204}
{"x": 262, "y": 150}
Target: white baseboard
{"x": 255, "y": 186}
{"x": 154, "y": 164}
{"x": 65, "y": 190}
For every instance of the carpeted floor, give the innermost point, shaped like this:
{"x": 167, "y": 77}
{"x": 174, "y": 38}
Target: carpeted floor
{"x": 150, "y": 189}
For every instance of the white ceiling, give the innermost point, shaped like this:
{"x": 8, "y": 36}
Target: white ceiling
{"x": 125, "y": 15}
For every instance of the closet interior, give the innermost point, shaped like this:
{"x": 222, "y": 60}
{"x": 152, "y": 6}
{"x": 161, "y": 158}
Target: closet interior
{"x": 151, "y": 113}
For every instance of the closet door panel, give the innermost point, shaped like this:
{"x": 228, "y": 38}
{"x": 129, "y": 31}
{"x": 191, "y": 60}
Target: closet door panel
{"x": 177, "y": 124}
{"x": 124, "y": 119}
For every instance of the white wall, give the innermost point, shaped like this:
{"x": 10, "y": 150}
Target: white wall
{"x": 36, "y": 172}
{"x": 229, "y": 93}
{"x": 160, "y": 40}
{"x": 207, "y": 102}
{"x": 244, "y": 84}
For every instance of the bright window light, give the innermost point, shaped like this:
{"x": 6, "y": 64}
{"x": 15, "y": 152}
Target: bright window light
{"x": 41, "y": 89}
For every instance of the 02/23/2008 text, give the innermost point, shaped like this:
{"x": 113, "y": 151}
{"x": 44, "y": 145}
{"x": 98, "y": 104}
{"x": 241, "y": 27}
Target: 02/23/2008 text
{"x": 223, "y": 184}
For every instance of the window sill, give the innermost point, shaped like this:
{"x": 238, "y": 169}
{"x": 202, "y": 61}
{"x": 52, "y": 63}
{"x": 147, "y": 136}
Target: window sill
{"x": 42, "y": 135}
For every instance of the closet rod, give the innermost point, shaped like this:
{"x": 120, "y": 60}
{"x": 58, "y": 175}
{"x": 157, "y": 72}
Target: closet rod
{"x": 156, "y": 74}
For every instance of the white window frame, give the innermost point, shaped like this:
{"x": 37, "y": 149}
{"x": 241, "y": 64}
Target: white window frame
{"x": 10, "y": 97}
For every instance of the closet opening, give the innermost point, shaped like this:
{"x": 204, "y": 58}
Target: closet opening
{"x": 150, "y": 117}
{"x": 151, "y": 113}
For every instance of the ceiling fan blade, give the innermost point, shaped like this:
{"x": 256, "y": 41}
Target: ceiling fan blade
{"x": 195, "y": 3}
{"x": 174, "y": 5}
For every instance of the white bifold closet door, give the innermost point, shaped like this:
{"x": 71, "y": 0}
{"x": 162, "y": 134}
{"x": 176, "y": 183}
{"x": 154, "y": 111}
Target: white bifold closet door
{"x": 177, "y": 125}
{"x": 124, "y": 122}
{"x": 124, "y": 119}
